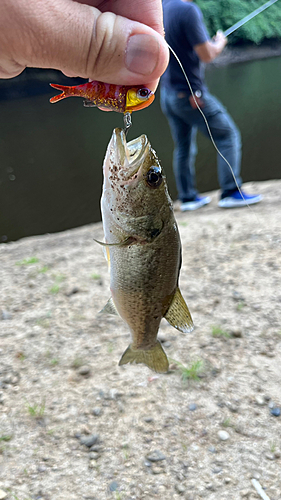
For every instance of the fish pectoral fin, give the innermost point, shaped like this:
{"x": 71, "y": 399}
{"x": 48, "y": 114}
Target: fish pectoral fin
{"x": 126, "y": 242}
{"x": 109, "y": 308}
{"x": 178, "y": 314}
{"x": 154, "y": 358}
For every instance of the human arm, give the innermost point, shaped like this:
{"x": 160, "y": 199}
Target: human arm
{"x": 90, "y": 39}
{"x": 210, "y": 49}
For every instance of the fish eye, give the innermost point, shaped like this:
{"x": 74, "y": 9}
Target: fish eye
{"x": 143, "y": 93}
{"x": 154, "y": 177}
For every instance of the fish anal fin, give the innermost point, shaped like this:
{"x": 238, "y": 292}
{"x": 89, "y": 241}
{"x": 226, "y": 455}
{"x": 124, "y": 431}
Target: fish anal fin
{"x": 178, "y": 314}
{"x": 109, "y": 308}
{"x": 154, "y": 358}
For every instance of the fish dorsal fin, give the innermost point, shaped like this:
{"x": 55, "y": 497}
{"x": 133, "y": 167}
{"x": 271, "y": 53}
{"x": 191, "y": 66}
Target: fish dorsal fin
{"x": 154, "y": 358}
{"x": 109, "y": 308}
{"x": 178, "y": 314}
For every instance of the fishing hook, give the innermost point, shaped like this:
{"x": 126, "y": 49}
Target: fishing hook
{"x": 127, "y": 121}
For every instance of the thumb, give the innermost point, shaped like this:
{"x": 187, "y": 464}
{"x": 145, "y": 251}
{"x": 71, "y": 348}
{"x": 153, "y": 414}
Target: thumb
{"x": 80, "y": 40}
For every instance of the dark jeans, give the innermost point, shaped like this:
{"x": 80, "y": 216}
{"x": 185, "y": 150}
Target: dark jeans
{"x": 184, "y": 122}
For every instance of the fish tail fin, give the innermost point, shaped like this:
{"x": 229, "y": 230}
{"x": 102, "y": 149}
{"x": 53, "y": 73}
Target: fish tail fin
{"x": 66, "y": 92}
{"x": 154, "y": 358}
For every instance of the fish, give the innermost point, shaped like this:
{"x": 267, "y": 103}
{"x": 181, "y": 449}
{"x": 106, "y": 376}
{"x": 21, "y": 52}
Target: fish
{"x": 108, "y": 97}
{"x": 143, "y": 248}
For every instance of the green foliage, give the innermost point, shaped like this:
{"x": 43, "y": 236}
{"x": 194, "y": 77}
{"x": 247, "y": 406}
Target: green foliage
{"x": 36, "y": 411}
{"x": 190, "y": 372}
{"x": 26, "y": 262}
{"x": 221, "y": 14}
{"x": 217, "y": 331}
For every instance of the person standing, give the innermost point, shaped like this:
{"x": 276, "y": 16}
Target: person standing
{"x": 187, "y": 34}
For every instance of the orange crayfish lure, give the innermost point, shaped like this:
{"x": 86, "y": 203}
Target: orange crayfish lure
{"x": 107, "y": 96}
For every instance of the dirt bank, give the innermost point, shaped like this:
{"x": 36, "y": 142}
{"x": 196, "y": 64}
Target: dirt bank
{"x": 237, "y": 54}
{"x": 149, "y": 437}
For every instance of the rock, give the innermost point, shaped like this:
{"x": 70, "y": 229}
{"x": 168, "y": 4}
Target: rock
{"x": 212, "y": 449}
{"x": 223, "y": 435}
{"x": 6, "y": 315}
{"x": 167, "y": 344}
{"x": 155, "y": 456}
{"x": 236, "y": 332}
{"x": 3, "y": 494}
{"x": 85, "y": 371}
{"x": 157, "y": 470}
{"x": 216, "y": 470}
{"x": 275, "y": 412}
{"x": 245, "y": 493}
{"x": 192, "y": 407}
{"x": 180, "y": 488}
{"x": 74, "y": 290}
{"x": 96, "y": 447}
{"x": 89, "y": 440}
{"x": 277, "y": 454}
{"x": 113, "y": 486}
{"x": 270, "y": 456}
{"x": 93, "y": 455}
{"x": 97, "y": 411}
{"x": 148, "y": 420}
{"x": 115, "y": 394}
{"x": 260, "y": 400}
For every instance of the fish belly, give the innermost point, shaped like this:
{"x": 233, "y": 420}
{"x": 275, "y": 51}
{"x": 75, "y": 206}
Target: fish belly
{"x": 143, "y": 280}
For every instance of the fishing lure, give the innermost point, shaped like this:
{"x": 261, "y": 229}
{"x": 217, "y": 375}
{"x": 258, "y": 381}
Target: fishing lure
{"x": 109, "y": 97}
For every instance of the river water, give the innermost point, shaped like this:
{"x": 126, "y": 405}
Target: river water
{"x": 51, "y": 155}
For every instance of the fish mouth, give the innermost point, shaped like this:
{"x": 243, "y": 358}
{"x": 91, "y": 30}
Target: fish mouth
{"x": 129, "y": 156}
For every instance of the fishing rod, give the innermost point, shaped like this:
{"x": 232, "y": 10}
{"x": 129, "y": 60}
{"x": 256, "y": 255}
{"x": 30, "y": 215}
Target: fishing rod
{"x": 248, "y": 18}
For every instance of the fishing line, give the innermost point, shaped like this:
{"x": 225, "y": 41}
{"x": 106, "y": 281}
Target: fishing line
{"x": 207, "y": 124}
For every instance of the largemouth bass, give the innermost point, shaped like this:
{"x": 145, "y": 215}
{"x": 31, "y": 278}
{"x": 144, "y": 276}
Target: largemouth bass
{"x": 143, "y": 247}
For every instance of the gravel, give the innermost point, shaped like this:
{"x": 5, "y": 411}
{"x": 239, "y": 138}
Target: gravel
{"x": 67, "y": 435}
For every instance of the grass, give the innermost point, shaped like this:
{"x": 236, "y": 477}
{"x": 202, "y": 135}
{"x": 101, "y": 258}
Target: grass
{"x": 227, "y": 422}
{"x": 54, "y": 361}
{"x": 192, "y": 371}
{"x": 217, "y": 331}
{"x": 26, "y": 262}
{"x": 44, "y": 322}
{"x": 110, "y": 347}
{"x": 95, "y": 276}
{"x": 77, "y": 363}
{"x": 272, "y": 447}
{"x": 6, "y": 437}
{"x": 56, "y": 287}
{"x": 36, "y": 411}
{"x": 43, "y": 269}
{"x": 17, "y": 498}
{"x": 240, "y": 306}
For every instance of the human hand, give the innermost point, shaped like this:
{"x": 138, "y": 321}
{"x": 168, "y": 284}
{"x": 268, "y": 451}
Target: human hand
{"x": 220, "y": 38}
{"x": 90, "y": 39}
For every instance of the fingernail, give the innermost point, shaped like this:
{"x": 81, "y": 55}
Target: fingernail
{"x": 142, "y": 54}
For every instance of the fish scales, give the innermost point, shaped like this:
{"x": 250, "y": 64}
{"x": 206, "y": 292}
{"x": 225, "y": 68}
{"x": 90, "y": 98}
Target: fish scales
{"x": 143, "y": 247}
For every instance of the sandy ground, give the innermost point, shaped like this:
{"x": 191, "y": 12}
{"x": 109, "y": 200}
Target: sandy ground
{"x": 75, "y": 425}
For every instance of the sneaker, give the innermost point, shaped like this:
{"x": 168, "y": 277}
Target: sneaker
{"x": 239, "y": 199}
{"x": 199, "y": 202}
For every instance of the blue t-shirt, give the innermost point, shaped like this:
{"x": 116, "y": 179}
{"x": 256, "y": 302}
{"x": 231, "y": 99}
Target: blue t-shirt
{"x": 184, "y": 28}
